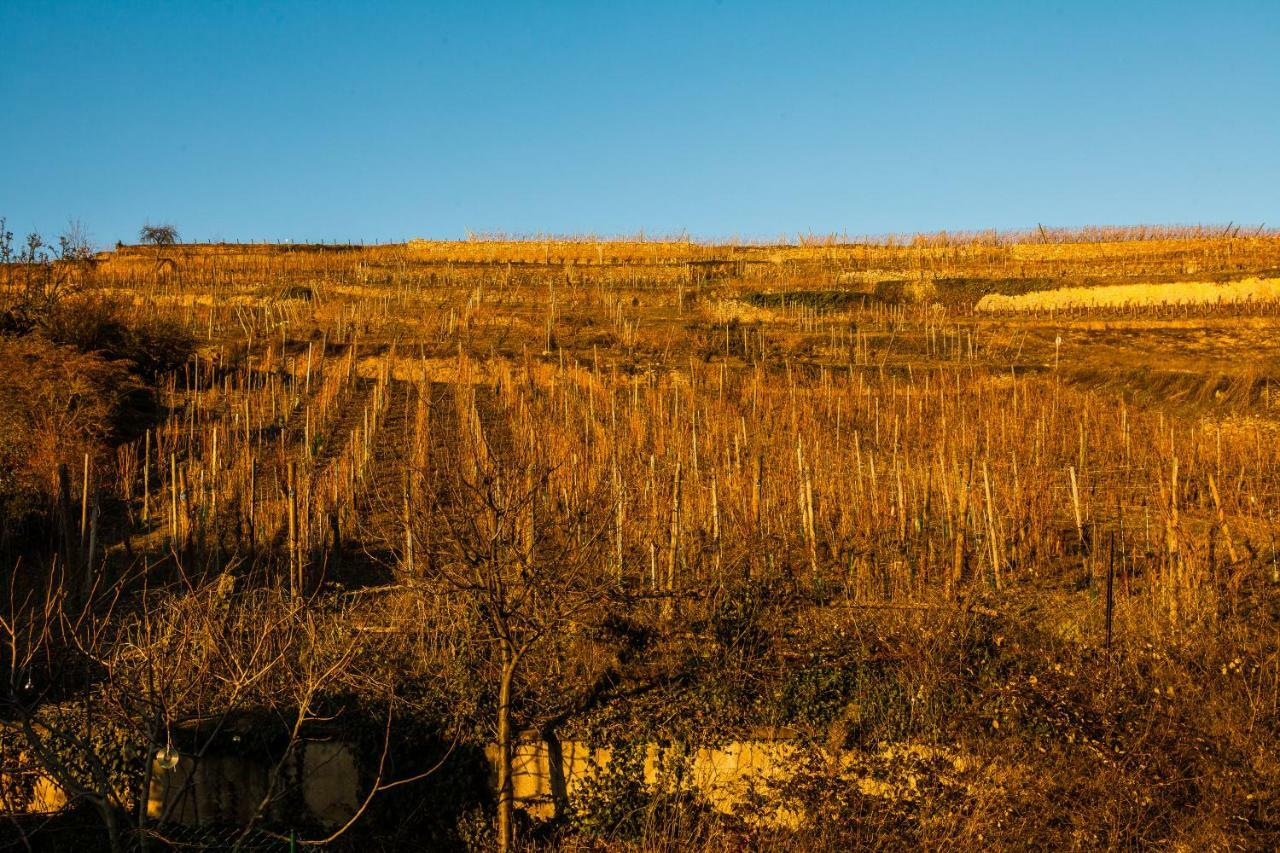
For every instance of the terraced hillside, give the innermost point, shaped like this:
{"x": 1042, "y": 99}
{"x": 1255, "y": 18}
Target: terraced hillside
{"x": 1001, "y": 570}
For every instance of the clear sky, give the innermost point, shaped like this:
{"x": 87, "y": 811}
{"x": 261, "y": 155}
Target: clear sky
{"x": 382, "y": 121}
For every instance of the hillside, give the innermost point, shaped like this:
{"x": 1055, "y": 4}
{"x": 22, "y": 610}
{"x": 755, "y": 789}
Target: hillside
{"x": 917, "y": 566}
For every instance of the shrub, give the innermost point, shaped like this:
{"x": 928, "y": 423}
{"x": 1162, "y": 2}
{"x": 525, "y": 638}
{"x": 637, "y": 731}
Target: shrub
{"x": 96, "y": 323}
{"x": 617, "y": 805}
{"x": 56, "y": 405}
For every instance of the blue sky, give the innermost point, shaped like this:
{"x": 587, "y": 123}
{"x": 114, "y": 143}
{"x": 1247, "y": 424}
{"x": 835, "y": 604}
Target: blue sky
{"x": 384, "y": 121}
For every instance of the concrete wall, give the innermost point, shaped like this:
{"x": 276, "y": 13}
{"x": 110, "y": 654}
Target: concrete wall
{"x": 323, "y": 777}
{"x": 548, "y": 773}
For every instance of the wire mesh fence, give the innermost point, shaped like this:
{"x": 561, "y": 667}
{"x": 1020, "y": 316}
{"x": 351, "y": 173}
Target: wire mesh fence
{"x": 218, "y": 838}
{"x": 85, "y": 832}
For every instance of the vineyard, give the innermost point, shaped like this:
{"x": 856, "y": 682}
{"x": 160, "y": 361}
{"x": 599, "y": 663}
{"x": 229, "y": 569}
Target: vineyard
{"x": 1000, "y": 567}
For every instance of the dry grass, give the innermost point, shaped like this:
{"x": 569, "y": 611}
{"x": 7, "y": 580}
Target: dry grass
{"x": 1249, "y": 290}
{"x": 889, "y": 521}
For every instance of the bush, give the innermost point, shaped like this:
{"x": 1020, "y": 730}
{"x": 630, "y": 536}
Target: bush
{"x": 618, "y": 806}
{"x": 76, "y": 375}
{"x": 56, "y": 405}
{"x": 96, "y": 323}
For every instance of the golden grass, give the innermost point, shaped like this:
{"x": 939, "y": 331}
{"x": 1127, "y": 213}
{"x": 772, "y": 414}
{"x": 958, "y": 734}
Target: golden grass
{"x": 924, "y": 502}
{"x": 1253, "y": 289}
{"x": 1170, "y": 254}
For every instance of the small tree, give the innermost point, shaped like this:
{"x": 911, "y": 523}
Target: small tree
{"x": 35, "y": 250}
{"x": 518, "y": 548}
{"x": 158, "y": 235}
{"x": 74, "y": 243}
{"x": 6, "y": 242}
{"x": 95, "y": 697}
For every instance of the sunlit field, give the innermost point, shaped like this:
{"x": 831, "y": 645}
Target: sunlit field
{"x": 955, "y": 541}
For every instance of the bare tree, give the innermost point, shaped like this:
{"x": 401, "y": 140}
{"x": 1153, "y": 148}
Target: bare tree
{"x": 34, "y": 250}
{"x": 158, "y": 235}
{"x": 74, "y": 243}
{"x": 507, "y": 535}
{"x": 98, "y": 696}
{"x": 6, "y": 242}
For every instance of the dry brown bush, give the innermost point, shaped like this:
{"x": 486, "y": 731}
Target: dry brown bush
{"x": 94, "y": 322}
{"x": 57, "y": 406}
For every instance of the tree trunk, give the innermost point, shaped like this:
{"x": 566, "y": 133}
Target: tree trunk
{"x": 112, "y": 826}
{"x": 506, "y": 798}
